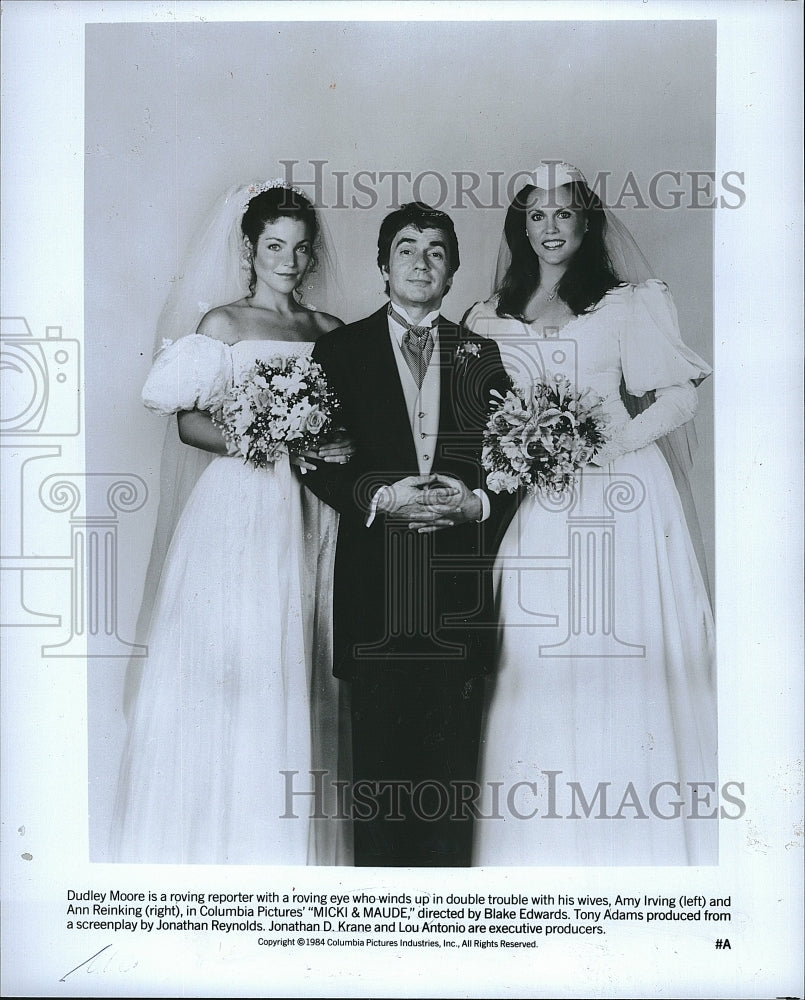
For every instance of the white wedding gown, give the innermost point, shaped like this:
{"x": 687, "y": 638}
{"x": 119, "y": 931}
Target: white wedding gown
{"x": 604, "y": 701}
{"x": 238, "y": 653}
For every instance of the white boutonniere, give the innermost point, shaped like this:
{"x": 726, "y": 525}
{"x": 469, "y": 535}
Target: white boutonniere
{"x": 465, "y": 351}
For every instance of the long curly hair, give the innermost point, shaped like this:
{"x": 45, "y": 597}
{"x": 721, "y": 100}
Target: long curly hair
{"x": 589, "y": 275}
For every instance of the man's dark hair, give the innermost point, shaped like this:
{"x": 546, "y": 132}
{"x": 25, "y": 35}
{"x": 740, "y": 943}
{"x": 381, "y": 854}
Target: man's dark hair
{"x": 421, "y": 216}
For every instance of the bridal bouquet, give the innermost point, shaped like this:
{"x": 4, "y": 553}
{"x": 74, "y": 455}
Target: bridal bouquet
{"x": 540, "y": 438}
{"x": 282, "y": 407}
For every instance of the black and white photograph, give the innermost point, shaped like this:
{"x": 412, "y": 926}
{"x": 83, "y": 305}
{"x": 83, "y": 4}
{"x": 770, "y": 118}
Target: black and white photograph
{"x": 559, "y": 629}
{"x": 402, "y": 495}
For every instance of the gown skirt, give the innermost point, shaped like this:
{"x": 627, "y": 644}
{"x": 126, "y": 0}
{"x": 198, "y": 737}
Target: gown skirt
{"x": 236, "y": 702}
{"x": 600, "y": 738}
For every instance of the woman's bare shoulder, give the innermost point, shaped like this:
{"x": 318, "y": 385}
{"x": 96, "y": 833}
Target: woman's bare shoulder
{"x": 223, "y": 323}
{"x": 324, "y": 322}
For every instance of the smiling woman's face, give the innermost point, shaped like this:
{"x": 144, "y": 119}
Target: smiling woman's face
{"x": 555, "y": 226}
{"x": 282, "y": 254}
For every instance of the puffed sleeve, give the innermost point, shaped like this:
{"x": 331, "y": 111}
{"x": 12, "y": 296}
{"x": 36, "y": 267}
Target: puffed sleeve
{"x": 653, "y": 355}
{"x": 478, "y": 318}
{"x": 192, "y": 372}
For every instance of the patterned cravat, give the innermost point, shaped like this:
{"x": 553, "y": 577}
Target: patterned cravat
{"x": 416, "y": 346}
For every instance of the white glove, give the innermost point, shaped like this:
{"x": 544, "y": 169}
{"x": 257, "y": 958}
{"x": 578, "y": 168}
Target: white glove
{"x": 673, "y": 406}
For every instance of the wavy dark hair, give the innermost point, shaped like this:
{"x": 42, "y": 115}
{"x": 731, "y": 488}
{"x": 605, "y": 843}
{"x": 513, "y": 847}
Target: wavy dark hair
{"x": 271, "y": 205}
{"x": 589, "y": 275}
{"x": 421, "y": 216}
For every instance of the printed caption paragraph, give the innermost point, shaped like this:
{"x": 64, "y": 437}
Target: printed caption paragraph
{"x": 278, "y": 919}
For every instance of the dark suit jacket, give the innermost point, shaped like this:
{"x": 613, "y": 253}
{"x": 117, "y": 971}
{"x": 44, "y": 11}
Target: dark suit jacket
{"x": 400, "y": 596}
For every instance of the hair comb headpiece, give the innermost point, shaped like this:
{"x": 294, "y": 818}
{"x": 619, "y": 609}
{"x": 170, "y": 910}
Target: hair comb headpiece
{"x": 260, "y": 187}
{"x": 550, "y": 174}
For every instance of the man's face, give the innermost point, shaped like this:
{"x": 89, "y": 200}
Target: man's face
{"x": 418, "y": 271}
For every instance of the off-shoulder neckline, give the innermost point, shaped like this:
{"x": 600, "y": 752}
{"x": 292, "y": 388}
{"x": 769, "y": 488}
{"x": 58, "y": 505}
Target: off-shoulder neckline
{"x": 619, "y": 291}
{"x": 254, "y": 340}
{"x": 530, "y": 326}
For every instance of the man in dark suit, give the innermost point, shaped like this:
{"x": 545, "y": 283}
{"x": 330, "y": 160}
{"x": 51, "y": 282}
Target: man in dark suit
{"x": 414, "y": 628}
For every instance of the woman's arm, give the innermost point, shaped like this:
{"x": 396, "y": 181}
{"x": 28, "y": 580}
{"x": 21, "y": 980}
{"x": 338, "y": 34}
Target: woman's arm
{"x": 674, "y": 405}
{"x": 197, "y": 429}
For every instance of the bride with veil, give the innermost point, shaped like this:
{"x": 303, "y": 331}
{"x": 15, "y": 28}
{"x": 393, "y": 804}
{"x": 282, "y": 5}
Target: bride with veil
{"x": 235, "y": 696}
{"x": 600, "y": 736}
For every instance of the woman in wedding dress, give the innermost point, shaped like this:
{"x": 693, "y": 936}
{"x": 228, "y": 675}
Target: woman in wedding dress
{"x": 236, "y": 688}
{"x": 600, "y": 740}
